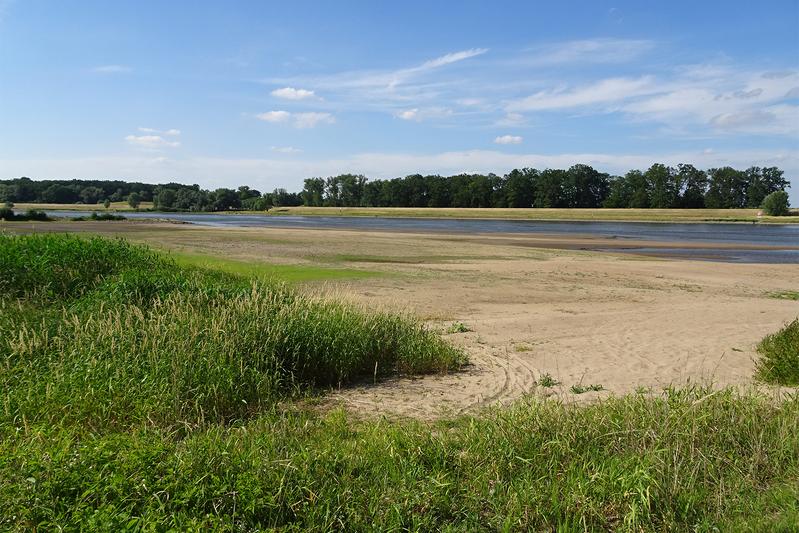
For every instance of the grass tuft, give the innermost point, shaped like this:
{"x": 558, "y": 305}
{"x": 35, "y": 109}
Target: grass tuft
{"x": 580, "y": 388}
{"x": 458, "y": 327}
{"x": 779, "y": 356}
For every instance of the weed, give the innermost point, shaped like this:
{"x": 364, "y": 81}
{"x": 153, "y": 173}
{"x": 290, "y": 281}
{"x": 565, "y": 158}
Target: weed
{"x": 580, "y": 388}
{"x": 458, "y": 327}
{"x": 546, "y": 380}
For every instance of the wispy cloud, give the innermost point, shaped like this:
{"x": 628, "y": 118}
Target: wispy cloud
{"x": 423, "y": 114}
{"x": 290, "y": 93}
{"x": 602, "y": 50}
{"x": 112, "y": 69}
{"x": 508, "y": 139}
{"x": 285, "y": 149}
{"x": 303, "y": 120}
{"x": 601, "y": 92}
{"x": 171, "y": 132}
{"x": 151, "y": 142}
{"x": 154, "y": 139}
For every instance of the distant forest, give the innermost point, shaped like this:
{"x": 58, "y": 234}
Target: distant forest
{"x": 660, "y": 186}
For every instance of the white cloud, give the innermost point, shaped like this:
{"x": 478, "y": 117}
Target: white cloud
{"x": 171, "y": 132}
{"x": 602, "y": 50}
{"x": 151, "y": 142}
{"x": 508, "y": 139}
{"x": 408, "y": 114}
{"x": 299, "y": 120}
{"x": 112, "y": 69}
{"x": 601, "y": 92}
{"x": 511, "y": 119}
{"x": 285, "y": 149}
{"x": 423, "y": 114}
{"x": 311, "y": 119}
{"x": 290, "y": 93}
{"x": 452, "y": 58}
{"x": 274, "y": 116}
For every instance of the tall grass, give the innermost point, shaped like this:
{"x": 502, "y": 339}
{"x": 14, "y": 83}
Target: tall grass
{"x": 121, "y": 336}
{"x": 779, "y": 356}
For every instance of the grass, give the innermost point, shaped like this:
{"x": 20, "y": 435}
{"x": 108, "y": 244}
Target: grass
{"x": 260, "y": 270}
{"x": 141, "y": 394}
{"x": 458, "y": 327}
{"x": 632, "y": 215}
{"x": 779, "y": 356}
{"x": 108, "y": 334}
{"x": 546, "y": 380}
{"x": 691, "y": 460}
{"x": 581, "y": 389}
{"x": 784, "y": 295}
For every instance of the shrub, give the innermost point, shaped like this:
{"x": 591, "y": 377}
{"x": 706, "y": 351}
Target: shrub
{"x": 779, "y": 361}
{"x": 776, "y": 204}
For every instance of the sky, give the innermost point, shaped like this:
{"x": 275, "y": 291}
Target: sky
{"x": 269, "y": 93}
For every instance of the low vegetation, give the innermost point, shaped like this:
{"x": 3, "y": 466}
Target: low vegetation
{"x": 579, "y": 388}
{"x": 784, "y": 295}
{"x": 458, "y": 327}
{"x": 140, "y": 394}
{"x": 779, "y": 356}
{"x": 100, "y": 216}
{"x": 8, "y": 214}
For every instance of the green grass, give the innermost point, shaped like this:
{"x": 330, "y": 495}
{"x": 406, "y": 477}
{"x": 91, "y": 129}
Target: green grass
{"x": 139, "y": 394}
{"x": 107, "y": 334}
{"x": 260, "y": 270}
{"x": 784, "y": 295}
{"x": 692, "y": 460}
{"x": 581, "y": 389}
{"x": 546, "y": 380}
{"x": 779, "y": 356}
{"x": 458, "y": 327}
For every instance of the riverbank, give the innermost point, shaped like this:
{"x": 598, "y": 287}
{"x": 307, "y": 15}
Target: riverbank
{"x": 541, "y": 214}
{"x": 534, "y": 214}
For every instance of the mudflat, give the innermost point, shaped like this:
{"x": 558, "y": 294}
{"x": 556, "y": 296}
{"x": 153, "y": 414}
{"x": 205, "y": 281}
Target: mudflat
{"x": 533, "y": 306}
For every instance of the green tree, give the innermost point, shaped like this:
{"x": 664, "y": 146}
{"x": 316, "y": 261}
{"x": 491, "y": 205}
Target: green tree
{"x": 313, "y": 192}
{"x": 165, "y": 198}
{"x": 549, "y": 188}
{"x": 134, "y": 200}
{"x": 665, "y": 190}
{"x": 519, "y": 187}
{"x": 693, "y": 185}
{"x": 727, "y": 188}
{"x": 106, "y": 203}
{"x": 225, "y": 199}
{"x": 776, "y": 204}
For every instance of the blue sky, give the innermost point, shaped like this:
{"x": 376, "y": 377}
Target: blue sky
{"x": 269, "y": 93}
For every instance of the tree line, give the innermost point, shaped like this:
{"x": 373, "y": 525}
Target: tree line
{"x": 168, "y": 196}
{"x": 660, "y": 186}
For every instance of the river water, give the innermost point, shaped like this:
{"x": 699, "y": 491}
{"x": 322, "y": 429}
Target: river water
{"x": 737, "y": 238}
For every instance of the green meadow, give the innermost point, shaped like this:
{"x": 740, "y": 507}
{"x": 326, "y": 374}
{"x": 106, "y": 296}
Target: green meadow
{"x": 154, "y": 392}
